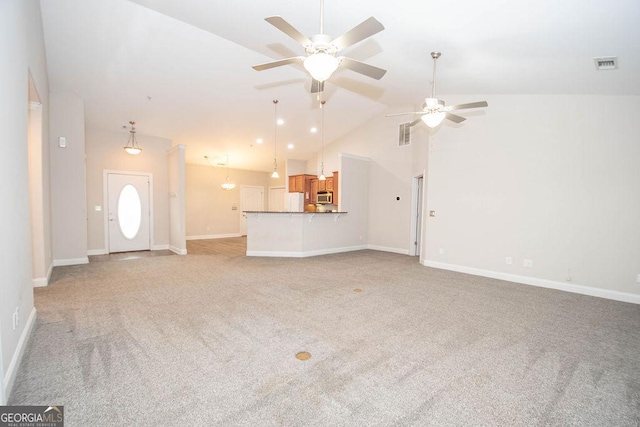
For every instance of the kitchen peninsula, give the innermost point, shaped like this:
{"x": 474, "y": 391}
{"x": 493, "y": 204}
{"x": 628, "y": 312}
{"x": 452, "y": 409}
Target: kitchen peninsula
{"x": 297, "y": 234}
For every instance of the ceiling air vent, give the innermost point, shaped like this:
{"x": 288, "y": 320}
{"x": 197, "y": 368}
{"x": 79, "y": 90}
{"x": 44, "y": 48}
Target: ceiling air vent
{"x": 606, "y": 63}
{"x": 404, "y": 134}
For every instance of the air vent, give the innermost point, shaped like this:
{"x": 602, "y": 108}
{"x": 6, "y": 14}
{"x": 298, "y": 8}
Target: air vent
{"x": 404, "y": 134}
{"x": 606, "y": 63}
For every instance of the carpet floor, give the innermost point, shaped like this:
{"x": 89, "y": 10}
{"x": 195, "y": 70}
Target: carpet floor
{"x": 212, "y": 340}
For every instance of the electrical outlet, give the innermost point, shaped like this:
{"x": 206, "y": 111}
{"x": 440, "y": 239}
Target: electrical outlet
{"x": 638, "y": 278}
{"x": 527, "y": 263}
{"x": 508, "y": 260}
{"x": 441, "y": 251}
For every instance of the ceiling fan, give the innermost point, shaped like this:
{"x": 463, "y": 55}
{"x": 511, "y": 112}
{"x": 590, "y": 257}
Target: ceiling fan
{"x": 434, "y": 110}
{"x": 321, "y": 50}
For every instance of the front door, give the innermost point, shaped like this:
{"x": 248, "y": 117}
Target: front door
{"x": 251, "y": 199}
{"x": 129, "y": 212}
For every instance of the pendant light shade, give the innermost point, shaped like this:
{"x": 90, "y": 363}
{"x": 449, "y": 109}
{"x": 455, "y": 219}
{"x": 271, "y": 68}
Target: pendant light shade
{"x": 227, "y": 184}
{"x": 275, "y": 139}
{"x": 132, "y": 146}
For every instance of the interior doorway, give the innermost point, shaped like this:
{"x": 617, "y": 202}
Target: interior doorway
{"x": 129, "y": 212}
{"x": 416, "y": 215}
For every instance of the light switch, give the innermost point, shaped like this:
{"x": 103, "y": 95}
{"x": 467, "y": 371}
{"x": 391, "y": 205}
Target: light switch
{"x": 98, "y": 208}
{"x": 62, "y": 142}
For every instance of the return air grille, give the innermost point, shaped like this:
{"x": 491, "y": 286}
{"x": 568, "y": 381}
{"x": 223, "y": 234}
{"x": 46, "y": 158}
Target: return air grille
{"x": 404, "y": 134}
{"x": 606, "y": 63}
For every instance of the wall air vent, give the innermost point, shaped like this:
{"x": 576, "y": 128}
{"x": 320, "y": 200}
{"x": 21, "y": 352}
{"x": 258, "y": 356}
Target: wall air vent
{"x": 606, "y": 63}
{"x": 404, "y": 134}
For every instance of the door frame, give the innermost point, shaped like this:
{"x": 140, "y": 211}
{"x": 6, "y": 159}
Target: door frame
{"x": 417, "y": 213}
{"x": 105, "y": 203}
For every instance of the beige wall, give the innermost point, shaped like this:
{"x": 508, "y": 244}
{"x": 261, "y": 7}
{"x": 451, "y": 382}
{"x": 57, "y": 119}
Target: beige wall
{"x": 177, "y": 197}
{"x": 209, "y": 208}
{"x": 68, "y": 182}
{"x": 21, "y": 52}
{"x": 105, "y": 151}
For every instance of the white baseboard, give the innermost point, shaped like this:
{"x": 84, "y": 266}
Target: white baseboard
{"x": 177, "y": 250}
{"x": 70, "y": 261}
{"x": 41, "y": 282}
{"x": 159, "y": 247}
{"x": 387, "y": 249}
{"x": 543, "y": 283}
{"x": 307, "y": 253}
{"x": 92, "y": 252}
{"x": 214, "y": 236}
{"x": 12, "y": 370}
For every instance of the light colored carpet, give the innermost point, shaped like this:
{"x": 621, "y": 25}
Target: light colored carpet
{"x": 211, "y": 340}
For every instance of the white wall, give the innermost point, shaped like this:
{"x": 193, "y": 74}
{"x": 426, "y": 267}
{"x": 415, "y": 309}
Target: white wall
{"x": 554, "y": 179}
{"x": 390, "y": 175}
{"x": 105, "y": 151}
{"x": 68, "y": 181}
{"x": 21, "y": 52}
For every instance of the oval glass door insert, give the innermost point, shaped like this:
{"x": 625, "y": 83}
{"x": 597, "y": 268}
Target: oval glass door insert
{"x": 129, "y": 211}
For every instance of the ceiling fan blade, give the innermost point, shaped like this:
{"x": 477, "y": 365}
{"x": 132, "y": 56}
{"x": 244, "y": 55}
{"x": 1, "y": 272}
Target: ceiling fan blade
{"x": 358, "y": 33}
{"x": 288, "y": 29}
{"x": 404, "y": 114}
{"x": 279, "y": 63}
{"x": 470, "y": 105}
{"x": 454, "y": 118}
{"x": 316, "y": 86}
{"x": 415, "y": 122}
{"x": 362, "y": 68}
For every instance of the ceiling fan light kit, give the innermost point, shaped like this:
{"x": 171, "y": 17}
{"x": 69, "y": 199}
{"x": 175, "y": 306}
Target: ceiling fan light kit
{"x": 321, "y": 60}
{"x": 321, "y": 65}
{"x": 434, "y": 110}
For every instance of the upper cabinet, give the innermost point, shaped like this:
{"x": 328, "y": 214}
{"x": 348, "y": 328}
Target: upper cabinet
{"x": 301, "y": 184}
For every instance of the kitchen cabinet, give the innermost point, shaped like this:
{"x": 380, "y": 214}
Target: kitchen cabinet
{"x": 314, "y": 190}
{"x": 302, "y": 184}
{"x": 322, "y": 185}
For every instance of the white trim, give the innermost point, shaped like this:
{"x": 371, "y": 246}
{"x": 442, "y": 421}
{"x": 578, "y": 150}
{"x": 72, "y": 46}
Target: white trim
{"x": 92, "y": 252}
{"x": 416, "y": 229}
{"x": 41, "y": 282}
{"x": 213, "y": 236}
{"x": 306, "y": 254}
{"x": 159, "y": 247}
{"x": 12, "y": 370}
{"x": 387, "y": 249}
{"x": 543, "y": 283}
{"x": 70, "y": 261}
{"x": 177, "y": 250}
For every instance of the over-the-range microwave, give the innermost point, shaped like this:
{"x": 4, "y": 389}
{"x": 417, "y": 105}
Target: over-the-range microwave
{"x": 325, "y": 198}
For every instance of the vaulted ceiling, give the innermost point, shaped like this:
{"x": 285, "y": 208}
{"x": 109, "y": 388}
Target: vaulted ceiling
{"x": 182, "y": 69}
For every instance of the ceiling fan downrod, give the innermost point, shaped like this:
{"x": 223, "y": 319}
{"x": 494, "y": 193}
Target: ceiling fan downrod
{"x": 435, "y": 56}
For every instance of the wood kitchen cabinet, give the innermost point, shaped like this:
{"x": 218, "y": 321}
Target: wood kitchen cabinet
{"x": 314, "y": 190}
{"x": 322, "y": 185}
{"x": 332, "y": 185}
{"x": 301, "y": 184}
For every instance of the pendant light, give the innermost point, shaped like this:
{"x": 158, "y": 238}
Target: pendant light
{"x": 275, "y": 139}
{"x": 227, "y": 184}
{"x": 132, "y": 146}
{"x": 322, "y": 177}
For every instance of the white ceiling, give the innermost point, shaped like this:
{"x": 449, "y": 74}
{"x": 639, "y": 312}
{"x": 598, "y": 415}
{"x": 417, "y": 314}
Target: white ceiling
{"x": 182, "y": 69}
